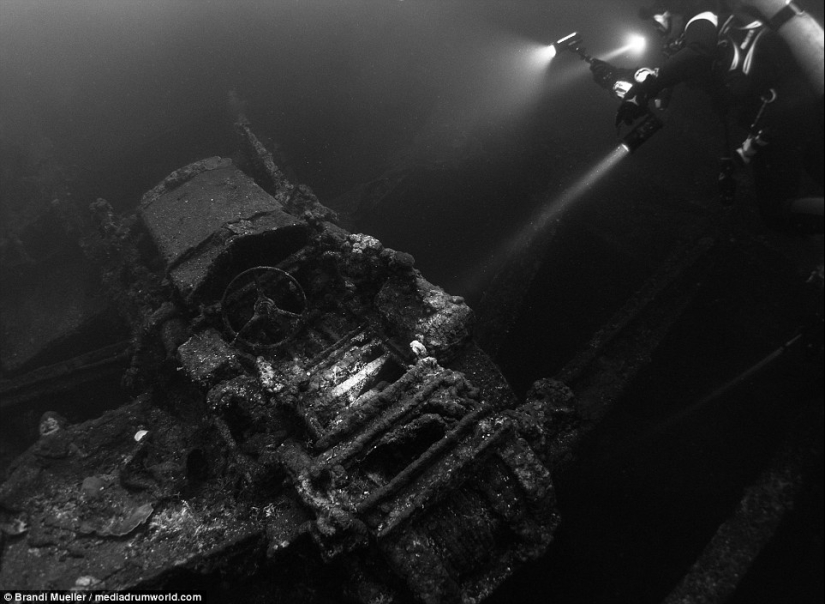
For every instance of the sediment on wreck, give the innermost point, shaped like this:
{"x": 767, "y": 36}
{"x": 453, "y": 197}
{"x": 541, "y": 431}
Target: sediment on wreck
{"x": 300, "y": 392}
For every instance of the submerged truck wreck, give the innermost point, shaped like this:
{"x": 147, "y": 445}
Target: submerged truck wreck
{"x": 306, "y": 405}
{"x": 309, "y": 419}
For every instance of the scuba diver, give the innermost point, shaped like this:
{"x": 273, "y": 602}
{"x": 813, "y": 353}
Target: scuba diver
{"x": 756, "y": 82}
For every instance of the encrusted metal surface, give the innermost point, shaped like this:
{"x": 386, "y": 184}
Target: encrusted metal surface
{"x": 297, "y": 401}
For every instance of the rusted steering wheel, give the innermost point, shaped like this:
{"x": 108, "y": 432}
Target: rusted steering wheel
{"x": 262, "y": 307}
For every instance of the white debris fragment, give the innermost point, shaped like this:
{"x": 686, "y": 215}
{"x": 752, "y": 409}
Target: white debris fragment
{"x": 418, "y": 349}
{"x": 85, "y": 582}
{"x": 266, "y": 373}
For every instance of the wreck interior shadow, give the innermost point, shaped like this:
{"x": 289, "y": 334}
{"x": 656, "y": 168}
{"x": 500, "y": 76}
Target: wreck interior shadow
{"x": 266, "y": 249}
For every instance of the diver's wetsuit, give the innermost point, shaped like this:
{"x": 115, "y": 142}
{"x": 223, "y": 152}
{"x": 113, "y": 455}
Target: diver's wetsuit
{"x": 694, "y": 60}
{"x": 794, "y": 121}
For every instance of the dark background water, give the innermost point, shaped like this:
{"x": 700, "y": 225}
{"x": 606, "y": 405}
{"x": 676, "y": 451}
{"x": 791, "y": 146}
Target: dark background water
{"x": 121, "y": 93}
{"x": 131, "y": 90}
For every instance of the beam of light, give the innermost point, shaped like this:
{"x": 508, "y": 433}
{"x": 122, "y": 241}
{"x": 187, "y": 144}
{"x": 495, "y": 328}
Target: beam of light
{"x": 548, "y": 212}
{"x": 540, "y": 56}
{"x": 635, "y": 46}
{"x": 509, "y": 78}
{"x": 512, "y": 81}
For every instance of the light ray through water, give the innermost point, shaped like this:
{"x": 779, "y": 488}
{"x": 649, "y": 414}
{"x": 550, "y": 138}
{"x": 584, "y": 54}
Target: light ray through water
{"x": 549, "y": 211}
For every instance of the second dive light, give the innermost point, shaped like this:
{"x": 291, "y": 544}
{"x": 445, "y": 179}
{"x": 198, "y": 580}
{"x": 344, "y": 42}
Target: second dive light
{"x": 647, "y": 127}
{"x": 644, "y": 129}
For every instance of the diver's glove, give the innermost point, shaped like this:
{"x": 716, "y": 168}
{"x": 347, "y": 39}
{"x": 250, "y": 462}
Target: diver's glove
{"x": 634, "y": 104}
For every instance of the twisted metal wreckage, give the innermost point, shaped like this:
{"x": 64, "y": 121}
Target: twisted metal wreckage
{"x": 306, "y": 400}
{"x": 296, "y": 397}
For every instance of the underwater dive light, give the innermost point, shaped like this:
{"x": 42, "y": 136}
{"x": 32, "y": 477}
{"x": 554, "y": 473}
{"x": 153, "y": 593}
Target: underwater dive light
{"x": 573, "y": 43}
{"x": 636, "y": 44}
{"x": 646, "y": 128}
{"x": 544, "y": 54}
{"x": 650, "y": 124}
